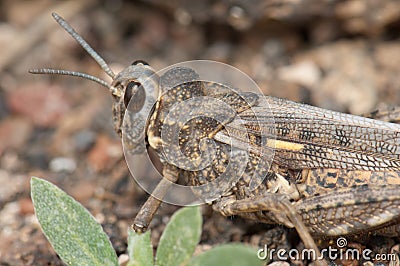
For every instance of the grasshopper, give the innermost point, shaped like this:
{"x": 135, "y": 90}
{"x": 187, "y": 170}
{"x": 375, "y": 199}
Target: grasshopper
{"x": 325, "y": 173}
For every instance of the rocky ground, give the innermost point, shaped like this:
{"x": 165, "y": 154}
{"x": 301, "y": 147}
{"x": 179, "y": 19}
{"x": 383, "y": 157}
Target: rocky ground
{"x": 339, "y": 55}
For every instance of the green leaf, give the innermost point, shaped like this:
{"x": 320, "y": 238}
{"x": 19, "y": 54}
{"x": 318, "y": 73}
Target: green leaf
{"x": 72, "y": 231}
{"x": 180, "y": 237}
{"x": 140, "y": 249}
{"x": 229, "y": 254}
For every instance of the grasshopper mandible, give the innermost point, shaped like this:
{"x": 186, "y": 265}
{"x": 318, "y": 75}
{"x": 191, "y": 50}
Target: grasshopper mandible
{"x": 331, "y": 173}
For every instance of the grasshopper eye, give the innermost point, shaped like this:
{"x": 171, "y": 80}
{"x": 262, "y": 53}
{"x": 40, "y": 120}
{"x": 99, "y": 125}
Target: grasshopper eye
{"x": 135, "y": 94}
{"x": 139, "y": 62}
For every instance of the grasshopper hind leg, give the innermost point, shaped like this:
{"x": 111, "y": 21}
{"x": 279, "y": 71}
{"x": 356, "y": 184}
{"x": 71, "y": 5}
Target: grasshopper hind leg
{"x": 351, "y": 210}
{"x": 276, "y": 204}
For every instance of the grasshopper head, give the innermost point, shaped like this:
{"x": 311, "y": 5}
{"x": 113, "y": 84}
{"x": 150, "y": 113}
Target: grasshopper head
{"x": 129, "y": 89}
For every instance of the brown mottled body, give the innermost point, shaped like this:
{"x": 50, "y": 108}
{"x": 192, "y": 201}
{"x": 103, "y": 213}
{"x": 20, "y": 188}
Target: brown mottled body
{"x": 332, "y": 173}
{"x": 326, "y": 173}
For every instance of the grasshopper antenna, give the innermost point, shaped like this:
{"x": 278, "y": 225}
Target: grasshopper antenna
{"x": 70, "y": 73}
{"x": 88, "y": 49}
{"x": 84, "y": 44}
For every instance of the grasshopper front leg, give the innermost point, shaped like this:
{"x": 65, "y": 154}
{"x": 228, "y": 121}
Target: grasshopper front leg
{"x": 276, "y": 204}
{"x": 150, "y": 207}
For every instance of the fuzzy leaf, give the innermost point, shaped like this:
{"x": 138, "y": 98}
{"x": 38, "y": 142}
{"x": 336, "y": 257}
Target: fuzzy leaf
{"x": 180, "y": 237}
{"x": 229, "y": 254}
{"x": 140, "y": 249}
{"x": 72, "y": 231}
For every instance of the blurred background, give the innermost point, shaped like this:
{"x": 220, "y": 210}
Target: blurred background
{"x": 336, "y": 54}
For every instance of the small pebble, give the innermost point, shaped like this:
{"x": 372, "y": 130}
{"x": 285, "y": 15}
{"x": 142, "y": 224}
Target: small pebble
{"x": 123, "y": 259}
{"x": 62, "y": 164}
{"x": 305, "y": 73}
